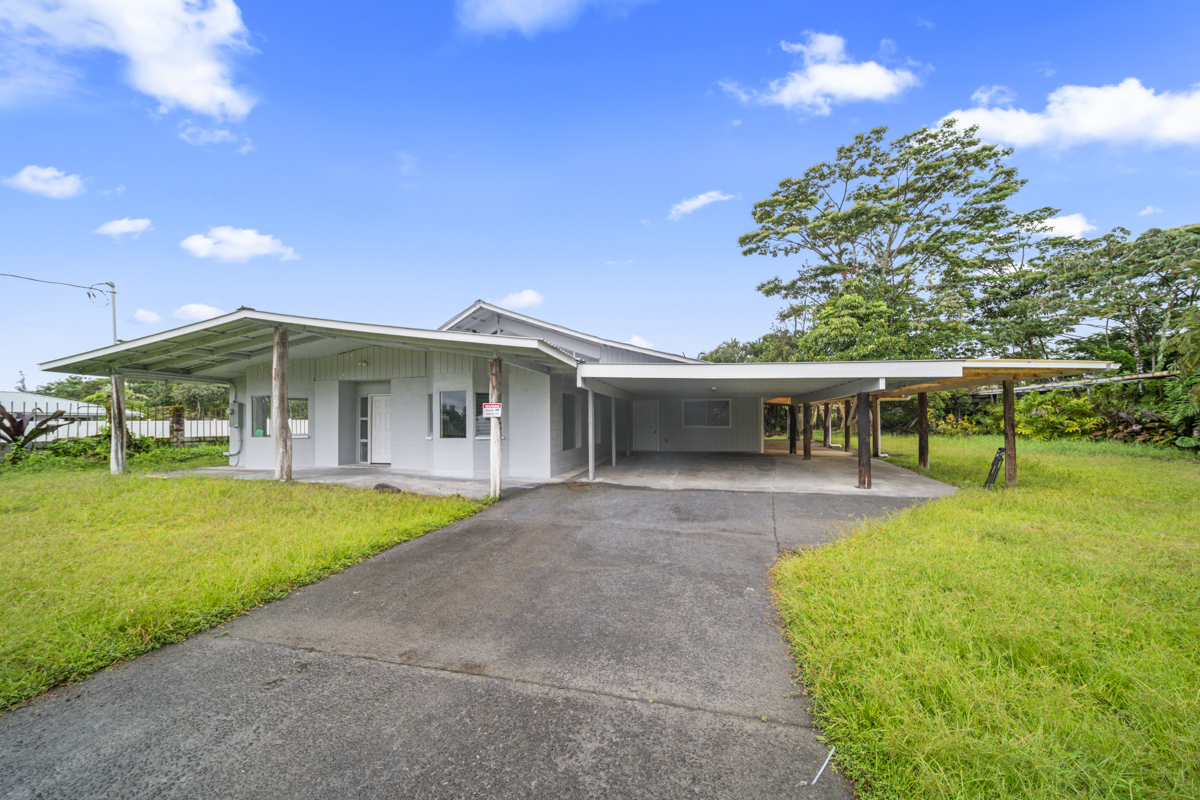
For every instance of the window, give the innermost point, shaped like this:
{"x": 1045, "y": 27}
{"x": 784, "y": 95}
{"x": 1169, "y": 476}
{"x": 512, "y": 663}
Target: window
{"x": 571, "y": 421}
{"x": 429, "y": 417}
{"x": 706, "y": 413}
{"x": 483, "y": 425}
{"x": 454, "y": 415}
{"x": 260, "y": 416}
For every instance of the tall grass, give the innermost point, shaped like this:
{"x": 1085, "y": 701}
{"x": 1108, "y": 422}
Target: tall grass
{"x": 1036, "y": 643}
{"x": 96, "y": 569}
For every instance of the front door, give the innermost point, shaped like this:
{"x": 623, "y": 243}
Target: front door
{"x": 645, "y": 424}
{"x": 381, "y": 429}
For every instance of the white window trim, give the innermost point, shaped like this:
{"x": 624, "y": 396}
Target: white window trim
{"x": 683, "y": 414}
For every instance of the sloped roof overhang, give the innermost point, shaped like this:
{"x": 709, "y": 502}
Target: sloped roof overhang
{"x": 222, "y": 347}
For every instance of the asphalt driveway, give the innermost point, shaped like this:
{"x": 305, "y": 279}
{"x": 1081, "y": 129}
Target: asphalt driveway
{"x": 571, "y": 641}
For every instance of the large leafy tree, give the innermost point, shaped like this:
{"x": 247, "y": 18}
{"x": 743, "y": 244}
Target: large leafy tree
{"x": 898, "y": 239}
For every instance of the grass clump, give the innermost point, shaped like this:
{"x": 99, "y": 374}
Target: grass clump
{"x": 1037, "y": 643}
{"x": 96, "y": 569}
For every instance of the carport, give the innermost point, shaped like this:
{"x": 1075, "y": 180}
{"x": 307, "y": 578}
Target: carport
{"x": 856, "y": 388}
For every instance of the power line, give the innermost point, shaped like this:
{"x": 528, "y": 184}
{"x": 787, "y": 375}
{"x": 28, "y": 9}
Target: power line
{"x": 95, "y": 287}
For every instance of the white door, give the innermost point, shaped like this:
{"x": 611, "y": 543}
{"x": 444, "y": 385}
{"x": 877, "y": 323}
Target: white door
{"x": 645, "y": 424}
{"x": 381, "y": 429}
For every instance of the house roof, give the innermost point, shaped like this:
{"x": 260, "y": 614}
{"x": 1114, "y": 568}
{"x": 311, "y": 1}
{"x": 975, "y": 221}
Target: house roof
{"x": 221, "y": 348}
{"x": 45, "y": 404}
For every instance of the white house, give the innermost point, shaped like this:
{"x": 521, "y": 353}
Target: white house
{"x": 412, "y": 398}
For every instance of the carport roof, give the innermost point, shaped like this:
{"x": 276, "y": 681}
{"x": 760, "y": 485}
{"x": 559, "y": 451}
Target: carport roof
{"x": 820, "y": 381}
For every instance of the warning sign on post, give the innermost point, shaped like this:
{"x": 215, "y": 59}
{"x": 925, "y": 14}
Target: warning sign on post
{"x": 491, "y": 409}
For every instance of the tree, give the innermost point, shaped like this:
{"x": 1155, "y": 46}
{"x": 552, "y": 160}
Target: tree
{"x": 891, "y": 233}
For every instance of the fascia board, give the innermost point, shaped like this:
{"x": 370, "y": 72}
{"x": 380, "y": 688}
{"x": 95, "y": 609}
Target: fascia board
{"x": 842, "y": 390}
{"x": 832, "y": 370}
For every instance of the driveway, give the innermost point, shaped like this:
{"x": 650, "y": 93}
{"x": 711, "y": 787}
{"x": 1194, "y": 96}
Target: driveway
{"x": 601, "y": 641}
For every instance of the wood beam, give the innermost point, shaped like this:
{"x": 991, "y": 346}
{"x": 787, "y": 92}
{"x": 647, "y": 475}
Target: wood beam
{"x": 827, "y": 426}
{"x": 1010, "y": 436}
{"x": 279, "y": 406}
{"x": 791, "y": 429}
{"x": 137, "y": 356}
{"x": 846, "y": 424}
{"x": 242, "y": 343}
{"x": 876, "y": 429}
{"x": 808, "y": 431}
{"x": 923, "y": 431}
{"x": 864, "y": 441}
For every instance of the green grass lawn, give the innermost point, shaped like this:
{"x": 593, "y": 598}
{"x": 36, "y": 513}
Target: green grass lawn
{"x": 96, "y": 569}
{"x": 1036, "y": 643}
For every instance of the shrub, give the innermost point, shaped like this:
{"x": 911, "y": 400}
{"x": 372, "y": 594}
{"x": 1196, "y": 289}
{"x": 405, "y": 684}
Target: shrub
{"x": 1056, "y": 415}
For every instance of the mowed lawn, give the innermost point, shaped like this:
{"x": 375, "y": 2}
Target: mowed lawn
{"x": 96, "y": 569}
{"x": 1036, "y": 643}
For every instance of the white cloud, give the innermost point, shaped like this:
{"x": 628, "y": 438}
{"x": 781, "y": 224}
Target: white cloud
{"x": 1122, "y": 114}
{"x": 618, "y": 263}
{"x": 193, "y": 134}
{"x": 193, "y": 312}
{"x": 828, "y": 76}
{"x": 179, "y": 52}
{"x": 526, "y": 16}
{"x": 525, "y": 298}
{"x": 46, "y": 181}
{"x": 226, "y": 243}
{"x": 127, "y": 225}
{"x": 986, "y": 96}
{"x": 118, "y": 190}
{"x": 1073, "y": 225}
{"x": 149, "y": 317}
{"x": 736, "y": 123}
{"x": 693, "y": 203}
{"x": 638, "y": 341}
{"x": 1150, "y": 210}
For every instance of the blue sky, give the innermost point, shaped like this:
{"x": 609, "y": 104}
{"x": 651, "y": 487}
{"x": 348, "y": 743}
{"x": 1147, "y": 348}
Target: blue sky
{"x": 392, "y": 163}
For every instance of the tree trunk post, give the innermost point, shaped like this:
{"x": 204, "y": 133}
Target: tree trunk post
{"x": 178, "y": 426}
{"x": 922, "y": 431}
{"x": 116, "y": 426}
{"x": 808, "y": 431}
{"x": 791, "y": 429}
{"x": 828, "y": 428}
{"x": 846, "y": 425}
{"x": 876, "y": 429}
{"x": 496, "y": 446}
{"x": 864, "y": 441}
{"x": 281, "y": 430}
{"x": 1010, "y": 435}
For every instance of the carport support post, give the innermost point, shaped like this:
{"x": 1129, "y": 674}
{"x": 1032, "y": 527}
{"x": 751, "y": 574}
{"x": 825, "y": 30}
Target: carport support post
{"x": 846, "y": 424}
{"x": 876, "y": 429}
{"x": 496, "y": 448}
{"x": 791, "y": 429}
{"x": 864, "y": 441}
{"x": 612, "y": 429}
{"x": 629, "y": 430}
{"x": 922, "y": 431}
{"x": 828, "y": 426}
{"x": 1010, "y": 435}
{"x": 591, "y": 435}
{"x": 808, "y": 431}
{"x": 279, "y": 406}
{"x": 116, "y": 427}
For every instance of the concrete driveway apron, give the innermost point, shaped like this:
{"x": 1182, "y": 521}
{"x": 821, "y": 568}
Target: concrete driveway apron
{"x": 571, "y": 641}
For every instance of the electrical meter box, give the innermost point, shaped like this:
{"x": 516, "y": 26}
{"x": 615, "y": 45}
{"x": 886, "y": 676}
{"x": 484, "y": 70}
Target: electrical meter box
{"x": 235, "y": 415}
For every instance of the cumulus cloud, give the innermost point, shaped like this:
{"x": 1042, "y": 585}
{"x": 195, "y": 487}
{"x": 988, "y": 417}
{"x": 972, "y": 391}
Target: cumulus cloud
{"x": 986, "y": 96}
{"x": 149, "y": 317}
{"x": 525, "y": 298}
{"x": 121, "y": 226}
{"x": 638, "y": 341}
{"x": 226, "y": 243}
{"x": 1073, "y": 225}
{"x": 527, "y": 16}
{"x": 693, "y": 203}
{"x": 827, "y": 76}
{"x": 179, "y": 52}
{"x": 1126, "y": 113}
{"x": 1148, "y": 210}
{"x": 46, "y": 181}
{"x": 193, "y": 312}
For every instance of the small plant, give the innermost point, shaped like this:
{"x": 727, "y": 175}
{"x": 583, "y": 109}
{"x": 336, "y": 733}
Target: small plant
{"x": 21, "y": 429}
{"x": 956, "y": 426}
{"x": 1056, "y": 415}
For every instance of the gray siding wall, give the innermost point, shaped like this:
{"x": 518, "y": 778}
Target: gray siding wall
{"x": 744, "y": 434}
{"x": 562, "y": 461}
{"x": 259, "y": 452}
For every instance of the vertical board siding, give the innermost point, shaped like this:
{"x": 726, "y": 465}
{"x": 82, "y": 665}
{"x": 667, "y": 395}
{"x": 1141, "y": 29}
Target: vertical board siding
{"x": 375, "y": 363}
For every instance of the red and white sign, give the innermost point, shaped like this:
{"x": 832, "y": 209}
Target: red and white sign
{"x": 491, "y": 409}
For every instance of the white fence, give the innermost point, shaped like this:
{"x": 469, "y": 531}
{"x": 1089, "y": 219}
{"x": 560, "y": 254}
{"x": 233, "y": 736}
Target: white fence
{"x": 84, "y": 420}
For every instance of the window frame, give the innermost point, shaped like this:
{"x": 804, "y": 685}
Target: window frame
{"x": 267, "y": 427}
{"x": 442, "y": 413}
{"x": 706, "y": 400}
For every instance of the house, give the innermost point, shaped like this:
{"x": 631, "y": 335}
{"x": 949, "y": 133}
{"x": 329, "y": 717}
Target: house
{"x": 413, "y": 398}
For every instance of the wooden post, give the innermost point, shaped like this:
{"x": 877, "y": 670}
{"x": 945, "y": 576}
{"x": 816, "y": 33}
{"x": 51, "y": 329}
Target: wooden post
{"x": 808, "y": 431}
{"x": 922, "y": 431}
{"x": 178, "y": 426}
{"x": 116, "y": 426}
{"x": 1010, "y": 435}
{"x": 496, "y": 447}
{"x": 591, "y": 437}
{"x": 876, "y": 429}
{"x": 846, "y": 425}
{"x": 612, "y": 432}
{"x": 864, "y": 441}
{"x": 791, "y": 429}
{"x": 828, "y": 426}
{"x": 279, "y": 406}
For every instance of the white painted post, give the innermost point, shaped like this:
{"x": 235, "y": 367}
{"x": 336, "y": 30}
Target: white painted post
{"x": 591, "y": 435}
{"x": 629, "y": 430}
{"x": 279, "y": 406}
{"x": 612, "y": 433}
{"x": 116, "y": 426}
{"x": 496, "y": 448}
